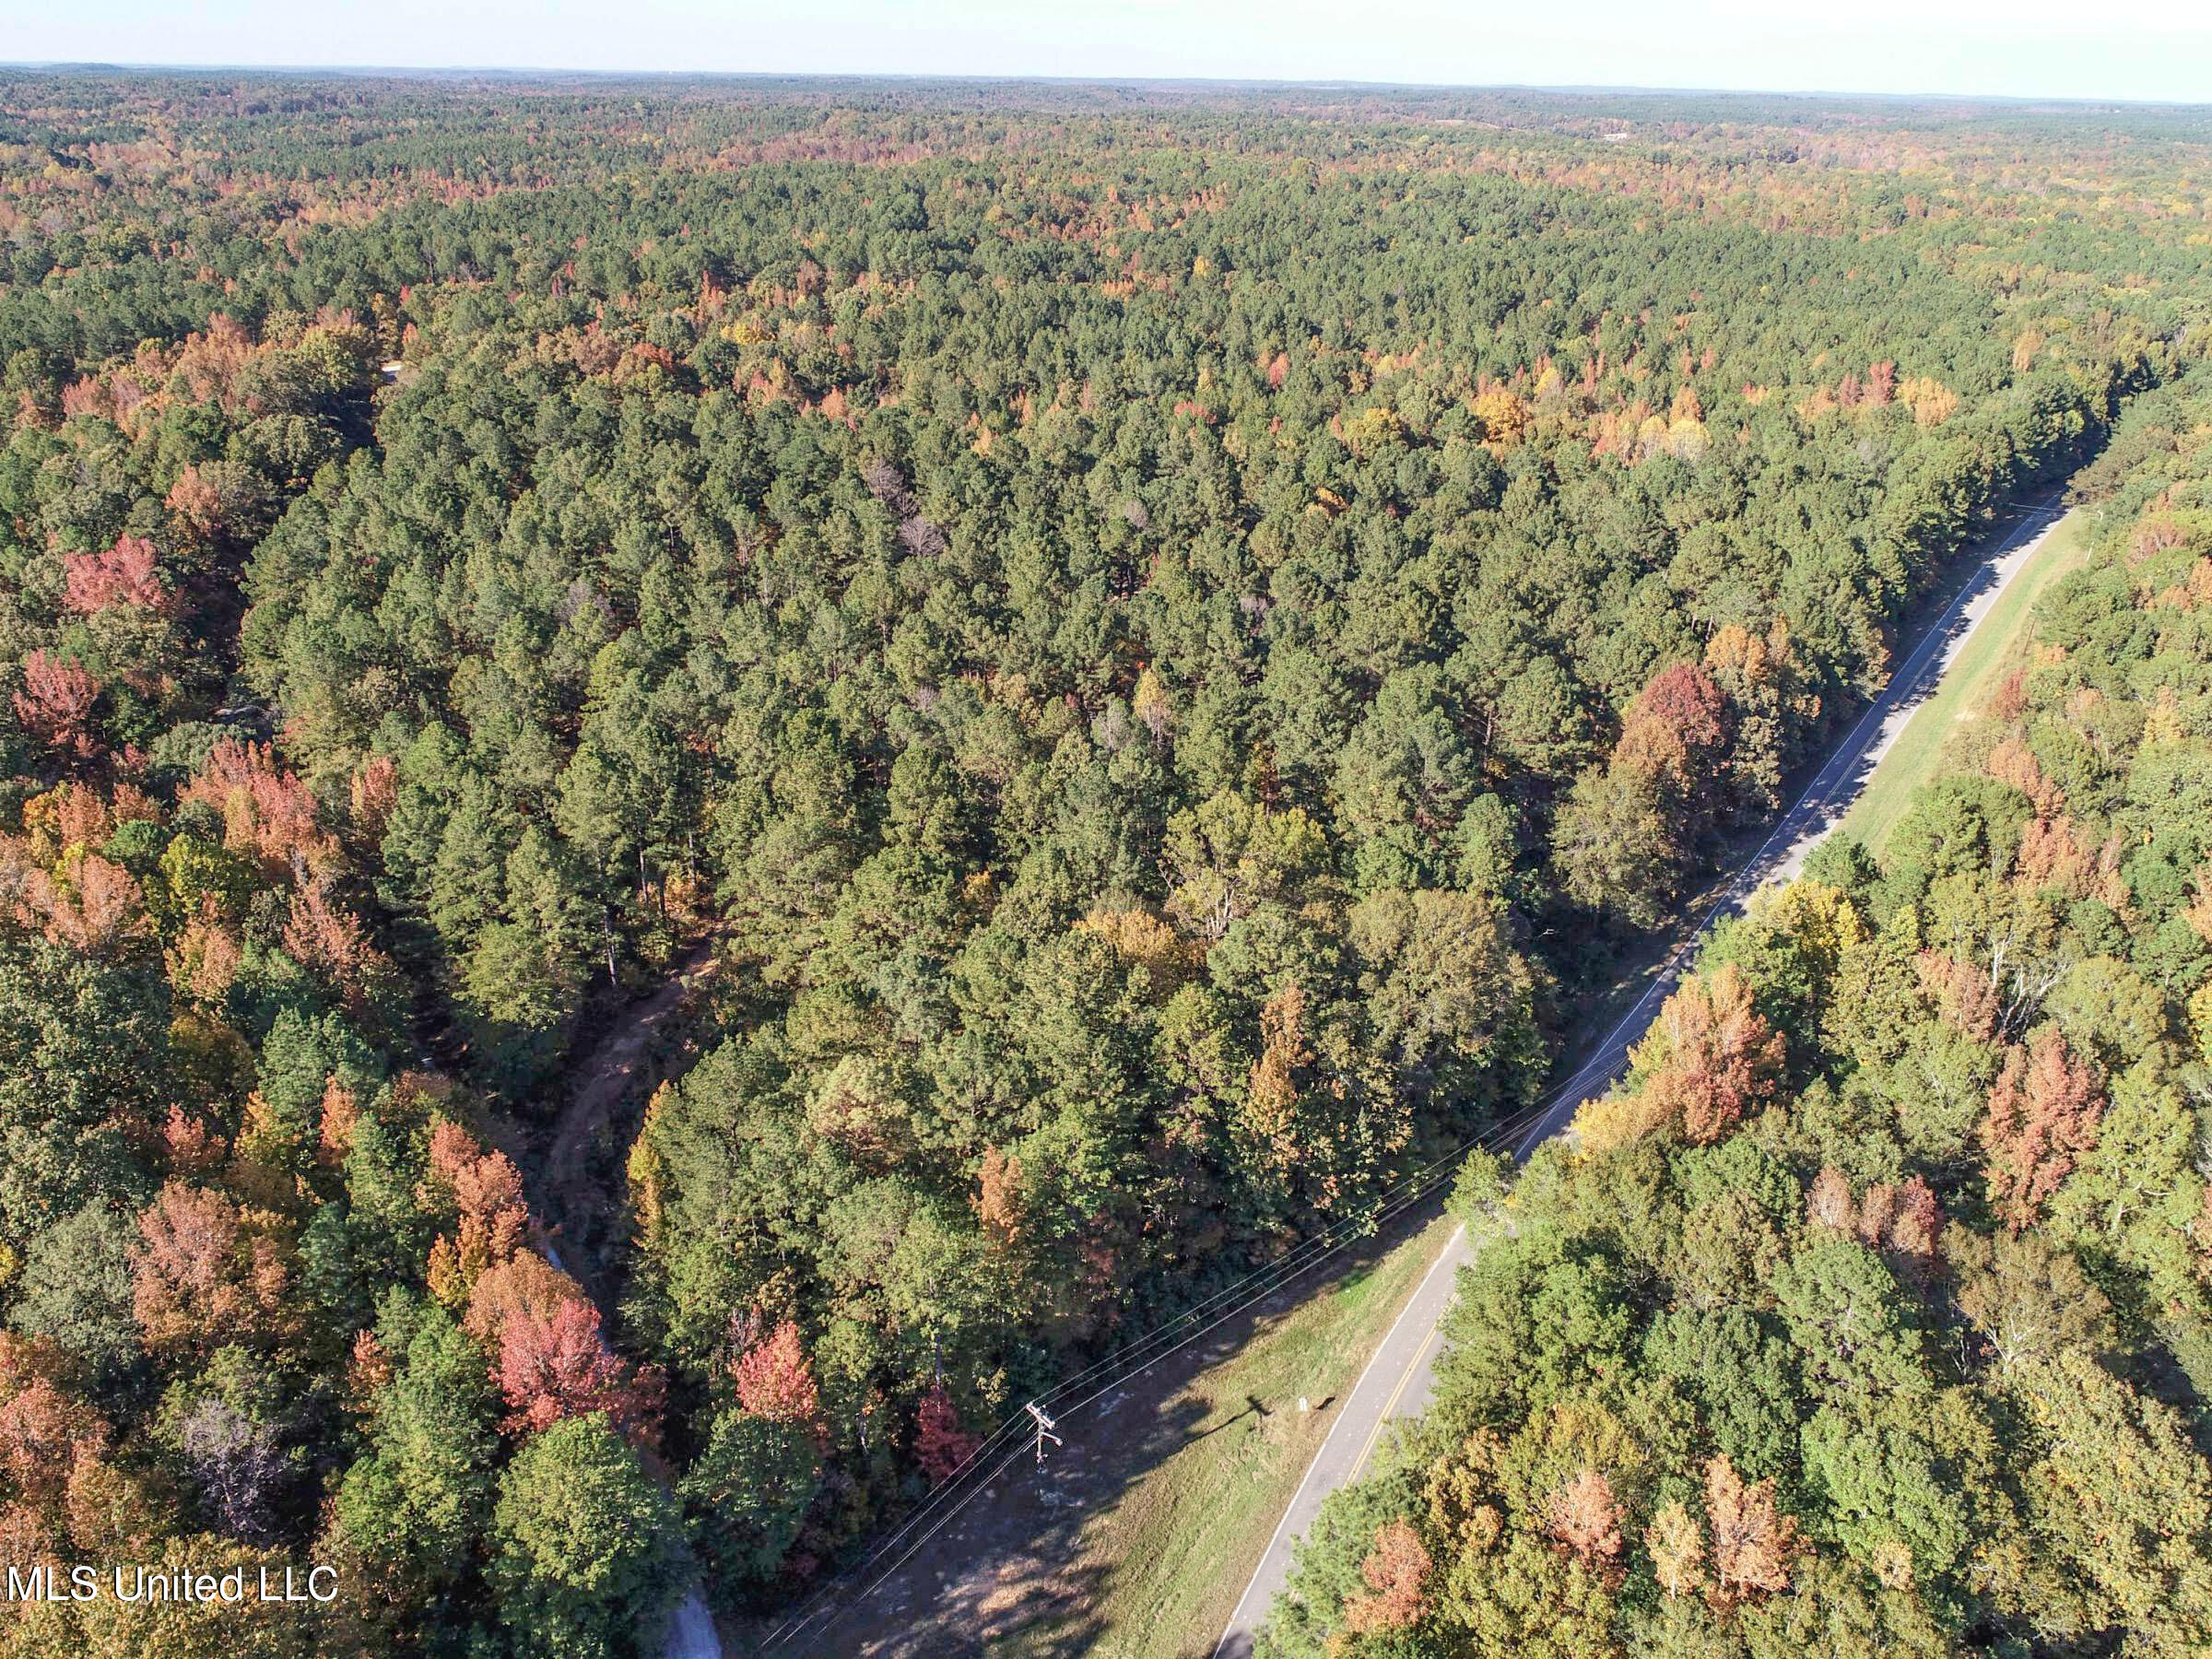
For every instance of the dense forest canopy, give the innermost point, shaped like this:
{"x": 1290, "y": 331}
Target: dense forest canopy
{"x": 1158, "y": 636}
{"x": 1873, "y": 1313}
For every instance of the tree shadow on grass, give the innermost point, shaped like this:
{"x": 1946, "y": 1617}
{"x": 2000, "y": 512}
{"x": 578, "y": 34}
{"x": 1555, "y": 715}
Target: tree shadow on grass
{"x": 1009, "y": 1576}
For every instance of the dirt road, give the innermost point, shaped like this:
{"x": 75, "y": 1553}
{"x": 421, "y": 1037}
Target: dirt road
{"x": 601, "y": 1084}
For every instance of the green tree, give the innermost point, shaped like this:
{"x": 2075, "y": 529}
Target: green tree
{"x": 587, "y": 1554}
{"x": 745, "y": 1498}
{"x": 76, "y": 1287}
{"x": 412, "y": 1511}
{"x": 1613, "y": 845}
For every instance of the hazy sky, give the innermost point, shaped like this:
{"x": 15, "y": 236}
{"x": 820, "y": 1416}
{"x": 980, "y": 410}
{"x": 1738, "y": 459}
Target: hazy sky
{"x": 2136, "y": 49}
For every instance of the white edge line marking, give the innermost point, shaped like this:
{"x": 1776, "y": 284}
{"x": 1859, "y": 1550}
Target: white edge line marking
{"x": 1931, "y": 639}
{"x": 1376, "y": 1359}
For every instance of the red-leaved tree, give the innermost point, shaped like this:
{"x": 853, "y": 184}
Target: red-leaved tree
{"x": 775, "y": 1380}
{"x": 941, "y": 1445}
{"x": 322, "y": 935}
{"x": 1710, "y": 1058}
{"x": 201, "y": 1276}
{"x": 268, "y": 812}
{"x": 195, "y": 498}
{"x": 123, "y": 574}
{"x": 560, "y": 1367}
{"x": 55, "y": 703}
{"x": 374, "y": 791}
{"x": 1674, "y": 725}
{"x": 43, "y": 1432}
{"x": 2043, "y": 1112}
{"x": 1965, "y": 997}
{"x": 98, "y": 905}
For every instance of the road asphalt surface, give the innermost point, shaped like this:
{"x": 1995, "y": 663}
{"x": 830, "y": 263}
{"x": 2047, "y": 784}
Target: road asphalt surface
{"x": 1400, "y": 1378}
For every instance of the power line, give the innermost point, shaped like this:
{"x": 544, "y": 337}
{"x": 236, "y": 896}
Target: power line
{"x": 1408, "y": 1191}
{"x": 1261, "y": 1282}
{"x": 1318, "y": 1247}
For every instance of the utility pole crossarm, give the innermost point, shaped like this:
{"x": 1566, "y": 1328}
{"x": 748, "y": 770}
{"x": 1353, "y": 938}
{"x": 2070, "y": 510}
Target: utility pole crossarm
{"x": 1044, "y": 1429}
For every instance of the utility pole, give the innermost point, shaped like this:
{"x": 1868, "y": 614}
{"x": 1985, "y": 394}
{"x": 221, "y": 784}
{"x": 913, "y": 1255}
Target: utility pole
{"x": 1044, "y": 1429}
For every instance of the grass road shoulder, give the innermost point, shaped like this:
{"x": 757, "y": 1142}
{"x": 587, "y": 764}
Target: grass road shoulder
{"x": 1168, "y": 1559}
{"x": 1994, "y": 649}
{"x": 1172, "y": 1555}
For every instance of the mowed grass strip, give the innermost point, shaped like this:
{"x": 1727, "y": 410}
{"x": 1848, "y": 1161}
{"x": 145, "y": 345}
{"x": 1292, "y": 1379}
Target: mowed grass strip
{"x": 1173, "y": 1555}
{"x": 1997, "y": 647}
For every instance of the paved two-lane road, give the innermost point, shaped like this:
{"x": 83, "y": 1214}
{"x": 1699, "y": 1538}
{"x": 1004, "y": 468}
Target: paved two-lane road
{"x": 1400, "y": 1378}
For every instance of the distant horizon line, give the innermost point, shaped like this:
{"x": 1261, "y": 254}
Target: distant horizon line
{"x": 521, "y": 72}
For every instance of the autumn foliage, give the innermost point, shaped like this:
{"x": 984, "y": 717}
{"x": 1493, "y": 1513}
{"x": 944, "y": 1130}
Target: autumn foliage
{"x": 87, "y": 901}
{"x": 123, "y": 574}
{"x": 1397, "y": 1573}
{"x": 2042, "y": 1115}
{"x": 268, "y": 812}
{"x": 1272, "y": 1091}
{"x": 1675, "y": 727}
{"x": 483, "y": 1192}
{"x": 62, "y": 1491}
{"x": 1752, "y": 1542}
{"x": 322, "y": 934}
{"x": 941, "y": 1445}
{"x": 1902, "y": 1216}
{"x": 1584, "y": 1519}
{"x": 1081, "y": 677}
{"x": 556, "y": 1367}
{"x": 206, "y": 1272}
{"x": 998, "y": 1195}
{"x": 523, "y": 1283}
{"x": 1710, "y": 1058}
{"x": 55, "y": 702}
{"x": 775, "y": 1378}
{"x": 1677, "y": 1546}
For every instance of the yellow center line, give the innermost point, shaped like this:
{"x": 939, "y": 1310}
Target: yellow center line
{"x": 1389, "y": 1407}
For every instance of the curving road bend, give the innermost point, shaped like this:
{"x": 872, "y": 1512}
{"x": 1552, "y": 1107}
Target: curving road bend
{"x": 1400, "y": 1378}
